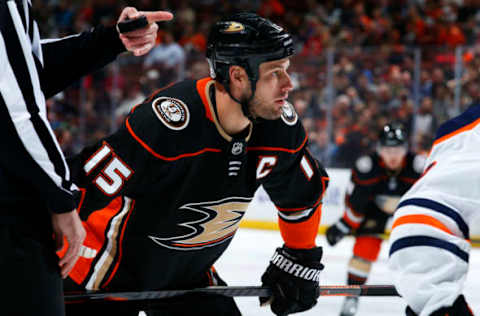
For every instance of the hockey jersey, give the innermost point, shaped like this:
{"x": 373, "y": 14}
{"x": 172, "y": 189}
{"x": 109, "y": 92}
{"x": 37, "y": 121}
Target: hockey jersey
{"x": 374, "y": 191}
{"x": 164, "y": 195}
{"x": 432, "y": 220}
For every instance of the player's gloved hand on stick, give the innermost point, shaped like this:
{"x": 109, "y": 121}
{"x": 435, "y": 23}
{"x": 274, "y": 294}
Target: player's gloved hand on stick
{"x": 337, "y": 231}
{"x": 293, "y": 276}
{"x": 459, "y": 307}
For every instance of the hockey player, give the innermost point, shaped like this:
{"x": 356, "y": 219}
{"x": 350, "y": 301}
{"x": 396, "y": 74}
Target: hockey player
{"x": 429, "y": 244}
{"x": 377, "y": 183}
{"x": 163, "y": 196}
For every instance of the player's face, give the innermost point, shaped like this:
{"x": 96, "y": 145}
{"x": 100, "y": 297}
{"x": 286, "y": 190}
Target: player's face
{"x": 393, "y": 156}
{"x": 272, "y": 89}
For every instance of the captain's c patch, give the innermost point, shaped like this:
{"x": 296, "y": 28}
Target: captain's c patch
{"x": 171, "y": 112}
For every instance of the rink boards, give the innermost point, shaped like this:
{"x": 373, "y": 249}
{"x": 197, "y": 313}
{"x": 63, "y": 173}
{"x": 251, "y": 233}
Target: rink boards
{"x": 261, "y": 213}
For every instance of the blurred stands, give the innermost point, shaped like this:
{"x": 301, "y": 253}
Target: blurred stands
{"x": 359, "y": 65}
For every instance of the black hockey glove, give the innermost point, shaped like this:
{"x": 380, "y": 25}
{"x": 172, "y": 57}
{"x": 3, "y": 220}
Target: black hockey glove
{"x": 293, "y": 276}
{"x": 337, "y": 231}
{"x": 459, "y": 307}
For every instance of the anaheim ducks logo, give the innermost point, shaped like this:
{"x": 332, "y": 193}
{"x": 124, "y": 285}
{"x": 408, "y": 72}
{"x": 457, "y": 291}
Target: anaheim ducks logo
{"x": 289, "y": 116}
{"x": 218, "y": 223}
{"x": 233, "y": 27}
{"x": 171, "y": 112}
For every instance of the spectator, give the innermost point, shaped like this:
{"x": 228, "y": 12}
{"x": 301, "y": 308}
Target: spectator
{"x": 169, "y": 58}
{"x": 322, "y": 148}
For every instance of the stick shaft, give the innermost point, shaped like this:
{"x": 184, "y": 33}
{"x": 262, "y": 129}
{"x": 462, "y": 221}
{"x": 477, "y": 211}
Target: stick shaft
{"x": 358, "y": 290}
{"x": 232, "y": 291}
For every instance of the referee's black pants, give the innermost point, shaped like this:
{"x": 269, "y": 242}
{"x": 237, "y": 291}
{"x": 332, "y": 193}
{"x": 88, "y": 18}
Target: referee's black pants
{"x": 30, "y": 278}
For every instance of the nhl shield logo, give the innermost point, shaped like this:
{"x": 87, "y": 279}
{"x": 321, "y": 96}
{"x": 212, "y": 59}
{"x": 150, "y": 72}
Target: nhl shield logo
{"x": 237, "y": 148}
{"x": 289, "y": 116}
{"x": 171, "y": 112}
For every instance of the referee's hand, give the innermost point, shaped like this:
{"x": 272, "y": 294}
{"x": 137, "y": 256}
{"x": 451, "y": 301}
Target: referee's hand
{"x": 68, "y": 225}
{"x": 141, "y": 41}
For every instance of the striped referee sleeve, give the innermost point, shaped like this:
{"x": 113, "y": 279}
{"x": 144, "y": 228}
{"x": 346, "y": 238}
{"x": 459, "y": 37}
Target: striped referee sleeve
{"x": 31, "y": 150}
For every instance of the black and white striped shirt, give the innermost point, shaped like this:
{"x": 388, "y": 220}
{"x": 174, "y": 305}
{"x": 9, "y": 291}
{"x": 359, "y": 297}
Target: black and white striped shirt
{"x": 32, "y": 165}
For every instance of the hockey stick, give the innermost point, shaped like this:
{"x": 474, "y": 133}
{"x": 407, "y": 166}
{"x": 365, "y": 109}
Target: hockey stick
{"x": 232, "y": 291}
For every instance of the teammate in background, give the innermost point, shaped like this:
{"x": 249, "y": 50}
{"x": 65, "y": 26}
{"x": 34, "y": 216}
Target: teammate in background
{"x": 164, "y": 195}
{"x": 36, "y": 198}
{"x": 377, "y": 183}
{"x": 429, "y": 244}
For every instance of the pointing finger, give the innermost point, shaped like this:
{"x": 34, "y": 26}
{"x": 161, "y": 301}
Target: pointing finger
{"x": 156, "y": 16}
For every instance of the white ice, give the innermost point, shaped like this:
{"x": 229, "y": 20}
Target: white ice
{"x": 246, "y": 259}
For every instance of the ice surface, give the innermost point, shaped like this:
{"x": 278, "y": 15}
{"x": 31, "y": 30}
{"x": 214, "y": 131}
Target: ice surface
{"x": 245, "y": 260}
{"x": 247, "y": 257}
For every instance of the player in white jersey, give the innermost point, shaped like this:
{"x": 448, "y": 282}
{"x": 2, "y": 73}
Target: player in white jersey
{"x": 429, "y": 244}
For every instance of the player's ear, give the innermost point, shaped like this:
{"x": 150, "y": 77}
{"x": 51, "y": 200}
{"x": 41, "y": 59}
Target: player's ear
{"x": 238, "y": 76}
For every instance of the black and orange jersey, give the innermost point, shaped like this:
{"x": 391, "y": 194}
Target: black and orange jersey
{"x": 164, "y": 195}
{"x": 374, "y": 190}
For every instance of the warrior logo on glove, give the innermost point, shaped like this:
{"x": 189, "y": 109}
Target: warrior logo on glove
{"x": 287, "y": 265}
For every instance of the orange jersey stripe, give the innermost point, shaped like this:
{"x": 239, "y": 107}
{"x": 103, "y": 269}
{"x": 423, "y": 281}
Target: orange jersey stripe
{"x": 407, "y": 179}
{"x": 355, "y": 212}
{"x": 356, "y": 179}
{"x": 209, "y": 276}
{"x": 201, "y": 85}
{"x": 292, "y": 151}
{"x": 157, "y": 155}
{"x": 458, "y": 131}
{"x": 301, "y": 235}
{"x": 421, "y": 219}
{"x": 82, "y": 198}
{"x": 120, "y": 244}
{"x": 150, "y": 97}
{"x": 95, "y": 227}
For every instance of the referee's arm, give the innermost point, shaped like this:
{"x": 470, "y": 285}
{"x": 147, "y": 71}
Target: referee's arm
{"x": 74, "y": 56}
{"x": 30, "y": 149}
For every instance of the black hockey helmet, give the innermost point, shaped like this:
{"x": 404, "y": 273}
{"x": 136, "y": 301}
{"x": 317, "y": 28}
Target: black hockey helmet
{"x": 393, "y": 134}
{"x": 245, "y": 39}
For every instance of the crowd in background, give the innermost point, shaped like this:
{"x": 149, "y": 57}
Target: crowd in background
{"x": 359, "y": 65}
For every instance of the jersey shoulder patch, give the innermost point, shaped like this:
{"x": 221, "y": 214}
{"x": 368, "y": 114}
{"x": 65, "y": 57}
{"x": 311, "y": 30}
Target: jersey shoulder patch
{"x": 169, "y": 122}
{"x": 172, "y": 112}
{"x": 289, "y": 115}
{"x": 364, "y": 164}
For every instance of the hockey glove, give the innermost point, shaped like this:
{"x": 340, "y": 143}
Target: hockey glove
{"x": 293, "y": 276}
{"x": 337, "y": 231}
{"x": 459, "y": 307}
